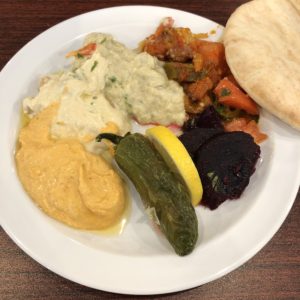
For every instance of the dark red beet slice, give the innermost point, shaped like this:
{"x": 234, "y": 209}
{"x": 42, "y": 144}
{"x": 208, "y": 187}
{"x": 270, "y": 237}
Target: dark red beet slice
{"x": 193, "y": 139}
{"x": 225, "y": 163}
{"x": 209, "y": 118}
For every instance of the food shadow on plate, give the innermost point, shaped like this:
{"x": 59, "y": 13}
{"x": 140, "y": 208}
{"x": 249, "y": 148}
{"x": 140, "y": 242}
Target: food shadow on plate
{"x": 277, "y": 127}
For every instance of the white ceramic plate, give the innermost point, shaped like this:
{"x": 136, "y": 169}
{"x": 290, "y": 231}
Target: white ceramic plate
{"x": 138, "y": 261}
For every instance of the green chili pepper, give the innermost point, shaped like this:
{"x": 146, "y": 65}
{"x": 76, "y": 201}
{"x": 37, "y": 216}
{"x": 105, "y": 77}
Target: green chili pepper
{"x": 159, "y": 189}
{"x": 183, "y": 72}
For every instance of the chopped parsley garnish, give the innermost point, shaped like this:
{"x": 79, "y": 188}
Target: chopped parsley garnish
{"x": 225, "y": 92}
{"x": 94, "y": 65}
{"x": 112, "y": 79}
{"x": 214, "y": 180}
{"x": 79, "y": 55}
{"x": 103, "y": 41}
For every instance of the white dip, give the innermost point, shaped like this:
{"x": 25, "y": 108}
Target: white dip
{"x": 114, "y": 84}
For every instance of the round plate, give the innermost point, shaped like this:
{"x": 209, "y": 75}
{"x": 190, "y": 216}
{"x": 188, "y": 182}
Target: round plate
{"x": 138, "y": 261}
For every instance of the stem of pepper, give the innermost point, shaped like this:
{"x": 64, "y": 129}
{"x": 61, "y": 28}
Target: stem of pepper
{"x": 116, "y": 139}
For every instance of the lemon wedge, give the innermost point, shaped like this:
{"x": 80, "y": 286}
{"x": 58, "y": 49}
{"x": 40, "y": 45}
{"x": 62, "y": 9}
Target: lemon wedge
{"x": 178, "y": 159}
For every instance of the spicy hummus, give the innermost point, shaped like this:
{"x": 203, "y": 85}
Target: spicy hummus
{"x": 68, "y": 183}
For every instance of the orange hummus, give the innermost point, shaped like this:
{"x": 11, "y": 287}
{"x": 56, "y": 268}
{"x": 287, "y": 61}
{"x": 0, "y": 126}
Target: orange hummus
{"x": 68, "y": 183}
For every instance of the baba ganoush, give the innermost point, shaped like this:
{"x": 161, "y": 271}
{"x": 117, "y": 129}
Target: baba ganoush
{"x": 112, "y": 83}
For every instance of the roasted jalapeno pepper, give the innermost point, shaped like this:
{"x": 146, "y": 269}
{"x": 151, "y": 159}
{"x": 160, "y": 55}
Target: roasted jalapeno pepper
{"x": 159, "y": 189}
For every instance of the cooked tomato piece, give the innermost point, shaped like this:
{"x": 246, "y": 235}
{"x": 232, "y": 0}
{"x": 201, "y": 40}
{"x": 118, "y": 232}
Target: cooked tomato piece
{"x": 86, "y": 50}
{"x": 212, "y": 52}
{"x": 169, "y": 42}
{"x": 248, "y": 126}
{"x": 230, "y": 95}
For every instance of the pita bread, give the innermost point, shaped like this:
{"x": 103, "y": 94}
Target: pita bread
{"x": 262, "y": 46}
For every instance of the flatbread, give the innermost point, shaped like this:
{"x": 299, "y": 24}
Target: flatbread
{"x": 262, "y": 46}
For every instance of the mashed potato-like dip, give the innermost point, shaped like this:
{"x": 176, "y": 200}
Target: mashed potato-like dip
{"x": 112, "y": 84}
{"x": 68, "y": 183}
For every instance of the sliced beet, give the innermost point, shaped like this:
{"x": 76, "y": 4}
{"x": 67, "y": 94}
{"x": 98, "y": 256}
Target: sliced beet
{"x": 193, "y": 139}
{"x": 209, "y": 118}
{"x": 225, "y": 163}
